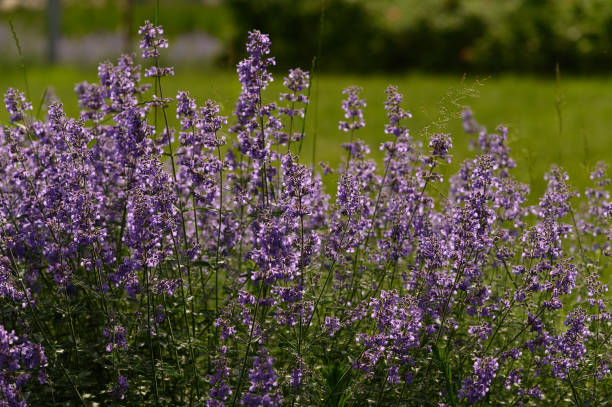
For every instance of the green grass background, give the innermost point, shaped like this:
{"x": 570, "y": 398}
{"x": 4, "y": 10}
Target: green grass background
{"x": 525, "y": 104}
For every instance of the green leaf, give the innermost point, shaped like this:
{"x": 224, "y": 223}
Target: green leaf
{"x": 451, "y": 397}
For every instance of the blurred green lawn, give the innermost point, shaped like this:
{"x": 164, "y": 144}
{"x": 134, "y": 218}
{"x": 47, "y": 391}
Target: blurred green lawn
{"x": 525, "y": 104}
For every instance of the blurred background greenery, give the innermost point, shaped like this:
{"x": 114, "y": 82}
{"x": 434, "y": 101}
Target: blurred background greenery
{"x": 432, "y": 49}
{"x": 482, "y": 36}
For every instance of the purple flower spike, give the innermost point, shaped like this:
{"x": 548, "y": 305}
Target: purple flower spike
{"x": 152, "y": 40}
{"x": 477, "y": 386}
{"x": 16, "y": 105}
{"x": 263, "y": 390}
{"x": 353, "y": 110}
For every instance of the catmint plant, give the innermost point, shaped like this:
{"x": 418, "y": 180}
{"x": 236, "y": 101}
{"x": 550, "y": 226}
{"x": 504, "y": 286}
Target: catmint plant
{"x": 203, "y": 262}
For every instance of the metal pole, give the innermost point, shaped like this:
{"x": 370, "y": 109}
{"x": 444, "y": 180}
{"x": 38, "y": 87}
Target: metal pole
{"x": 53, "y": 35}
{"x": 128, "y": 31}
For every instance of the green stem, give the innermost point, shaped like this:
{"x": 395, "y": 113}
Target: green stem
{"x": 246, "y": 353}
{"x": 153, "y": 368}
{"x": 220, "y": 220}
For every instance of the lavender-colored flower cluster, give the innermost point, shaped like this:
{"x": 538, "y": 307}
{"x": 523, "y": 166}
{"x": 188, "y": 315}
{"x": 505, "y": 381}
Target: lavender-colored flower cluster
{"x": 187, "y": 262}
{"x": 19, "y": 358}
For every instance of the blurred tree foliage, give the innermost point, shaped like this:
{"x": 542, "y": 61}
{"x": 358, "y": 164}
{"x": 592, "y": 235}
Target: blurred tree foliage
{"x": 342, "y": 33}
{"x": 439, "y": 35}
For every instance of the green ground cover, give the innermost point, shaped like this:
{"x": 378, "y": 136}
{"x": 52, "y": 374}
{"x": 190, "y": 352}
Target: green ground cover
{"x": 527, "y": 105}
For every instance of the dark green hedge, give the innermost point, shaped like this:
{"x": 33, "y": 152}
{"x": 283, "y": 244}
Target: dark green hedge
{"x": 447, "y": 35}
